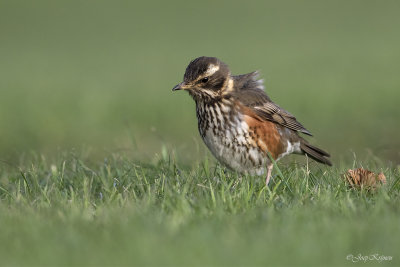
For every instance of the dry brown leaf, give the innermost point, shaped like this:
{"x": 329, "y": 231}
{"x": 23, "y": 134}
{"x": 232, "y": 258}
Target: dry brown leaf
{"x": 364, "y": 178}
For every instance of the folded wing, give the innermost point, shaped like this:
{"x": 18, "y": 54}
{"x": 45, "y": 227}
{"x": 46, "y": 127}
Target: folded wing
{"x": 250, "y": 92}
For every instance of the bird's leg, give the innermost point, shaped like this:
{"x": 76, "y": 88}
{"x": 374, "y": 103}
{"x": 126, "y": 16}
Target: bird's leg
{"x": 269, "y": 168}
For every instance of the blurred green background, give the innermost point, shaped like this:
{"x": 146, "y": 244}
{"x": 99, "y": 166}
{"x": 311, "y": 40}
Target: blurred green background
{"x": 99, "y": 73}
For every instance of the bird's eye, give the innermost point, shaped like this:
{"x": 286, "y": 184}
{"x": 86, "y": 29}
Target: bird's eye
{"x": 204, "y": 80}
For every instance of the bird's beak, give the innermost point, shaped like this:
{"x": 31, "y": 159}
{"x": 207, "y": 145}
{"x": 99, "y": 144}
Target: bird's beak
{"x": 181, "y": 86}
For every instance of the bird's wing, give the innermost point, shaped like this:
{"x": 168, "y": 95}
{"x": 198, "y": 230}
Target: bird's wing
{"x": 250, "y": 92}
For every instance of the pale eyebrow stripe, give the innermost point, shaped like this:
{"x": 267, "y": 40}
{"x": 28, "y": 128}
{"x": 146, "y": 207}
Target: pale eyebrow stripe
{"x": 211, "y": 70}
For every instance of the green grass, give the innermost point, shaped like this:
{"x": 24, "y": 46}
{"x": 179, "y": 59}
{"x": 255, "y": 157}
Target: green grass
{"x": 72, "y": 211}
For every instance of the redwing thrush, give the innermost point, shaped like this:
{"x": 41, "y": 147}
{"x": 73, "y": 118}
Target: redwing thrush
{"x": 239, "y": 123}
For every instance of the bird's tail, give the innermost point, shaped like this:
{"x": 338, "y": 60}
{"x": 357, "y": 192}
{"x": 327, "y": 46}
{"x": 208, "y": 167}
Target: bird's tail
{"x": 315, "y": 153}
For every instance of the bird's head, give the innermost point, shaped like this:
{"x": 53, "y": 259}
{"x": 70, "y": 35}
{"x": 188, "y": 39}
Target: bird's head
{"x": 205, "y": 77}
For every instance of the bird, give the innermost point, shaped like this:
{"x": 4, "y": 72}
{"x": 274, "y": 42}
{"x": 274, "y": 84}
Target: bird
{"x": 239, "y": 123}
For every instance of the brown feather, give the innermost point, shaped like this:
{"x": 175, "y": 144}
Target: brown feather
{"x": 264, "y": 134}
{"x": 249, "y": 91}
